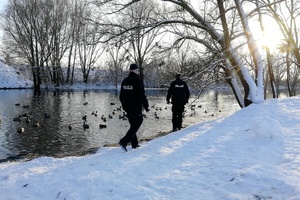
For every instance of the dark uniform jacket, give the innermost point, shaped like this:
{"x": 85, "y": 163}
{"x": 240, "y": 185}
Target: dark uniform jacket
{"x": 179, "y": 92}
{"x": 132, "y": 95}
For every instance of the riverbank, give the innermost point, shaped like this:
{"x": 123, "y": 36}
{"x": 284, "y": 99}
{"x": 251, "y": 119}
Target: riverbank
{"x": 252, "y": 154}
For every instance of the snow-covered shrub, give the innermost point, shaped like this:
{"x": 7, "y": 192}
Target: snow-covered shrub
{"x": 265, "y": 127}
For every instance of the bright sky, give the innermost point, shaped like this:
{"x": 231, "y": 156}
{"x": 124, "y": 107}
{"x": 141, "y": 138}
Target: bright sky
{"x": 271, "y": 38}
{"x": 272, "y": 35}
{"x": 2, "y": 5}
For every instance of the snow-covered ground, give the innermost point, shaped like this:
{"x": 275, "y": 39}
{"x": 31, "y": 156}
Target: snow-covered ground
{"x": 253, "y": 154}
{"x": 12, "y": 78}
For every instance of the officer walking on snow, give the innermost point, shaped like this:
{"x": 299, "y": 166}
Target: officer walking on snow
{"x": 179, "y": 94}
{"x": 133, "y": 99}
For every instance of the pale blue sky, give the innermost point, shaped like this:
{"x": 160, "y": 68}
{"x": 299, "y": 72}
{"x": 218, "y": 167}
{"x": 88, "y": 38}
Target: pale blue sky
{"x": 3, "y": 3}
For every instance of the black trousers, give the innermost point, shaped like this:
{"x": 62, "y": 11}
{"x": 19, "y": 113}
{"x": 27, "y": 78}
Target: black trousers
{"x": 177, "y": 111}
{"x": 135, "y": 120}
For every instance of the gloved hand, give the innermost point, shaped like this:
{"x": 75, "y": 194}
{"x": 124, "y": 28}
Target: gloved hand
{"x": 147, "y": 109}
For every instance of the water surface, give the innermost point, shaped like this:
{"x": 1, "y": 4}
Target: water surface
{"x": 66, "y": 108}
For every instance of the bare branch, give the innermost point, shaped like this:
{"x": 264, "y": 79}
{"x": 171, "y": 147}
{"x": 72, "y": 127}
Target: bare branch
{"x": 264, "y": 6}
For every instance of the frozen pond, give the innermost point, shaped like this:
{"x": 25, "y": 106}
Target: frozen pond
{"x": 53, "y": 137}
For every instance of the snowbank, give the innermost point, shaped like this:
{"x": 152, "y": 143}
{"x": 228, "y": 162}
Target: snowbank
{"x": 265, "y": 127}
{"x": 243, "y": 156}
{"x": 10, "y": 78}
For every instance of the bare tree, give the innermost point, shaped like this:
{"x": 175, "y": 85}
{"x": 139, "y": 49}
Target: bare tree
{"x": 287, "y": 15}
{"x": 20, "y": 30}
{"x": 221, "y": 27}
{"x": 73, "y": 22}
{"x": 142, "y": 43}
{"x": 117, "y": 58}
{"x": 59, "y": 42}
{"x": 268, "y": 54}
{"x": 89, "y": 49}
{"x": 128, "y": 27}
{"x": 37, "y": 32}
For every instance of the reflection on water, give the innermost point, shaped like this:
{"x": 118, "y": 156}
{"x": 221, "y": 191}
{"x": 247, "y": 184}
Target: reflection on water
{"x": 57, "y": 111}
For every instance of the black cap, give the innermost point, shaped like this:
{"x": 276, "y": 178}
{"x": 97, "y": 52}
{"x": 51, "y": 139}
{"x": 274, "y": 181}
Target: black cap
{"x": 133, "y": 67}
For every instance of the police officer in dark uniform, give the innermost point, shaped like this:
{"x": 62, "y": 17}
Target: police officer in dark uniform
{"x": 179, "y": 94}
{"x": 133, "y": 99}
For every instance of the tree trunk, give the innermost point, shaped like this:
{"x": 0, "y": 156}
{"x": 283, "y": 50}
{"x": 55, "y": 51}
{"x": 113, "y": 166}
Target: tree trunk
{"x": 288, "y": 76}
{"x": 232, "y": 82}
{"x": 271, "y": 75}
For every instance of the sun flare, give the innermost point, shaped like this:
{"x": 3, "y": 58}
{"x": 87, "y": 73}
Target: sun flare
{"x": 270, "y": 37}
{"x": 270, "y": 40}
